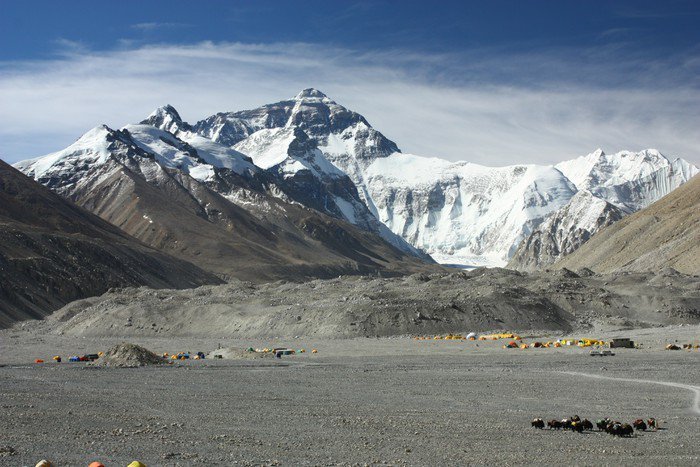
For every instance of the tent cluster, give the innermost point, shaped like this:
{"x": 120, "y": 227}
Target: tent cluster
{"x": 448, "y": 337}
{"x": 495, "y": 337}
{"x": 91, "y": 357}
{"x": 472, "y": 336}
{"x": 683, "y": 346}
{"x": 184, "y": 356}
{"x": 94, "y": 356}
{"x": 555, "y": 344}
{"x": 582, "y": 342}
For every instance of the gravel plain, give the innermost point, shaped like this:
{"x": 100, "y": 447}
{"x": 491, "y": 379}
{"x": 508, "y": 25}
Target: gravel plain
{"x": 363, "y": 401}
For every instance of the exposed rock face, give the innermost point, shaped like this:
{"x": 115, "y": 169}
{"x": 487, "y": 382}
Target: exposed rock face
{"x": 208, "y": 204}
{"x": 663, "y": 235}
{"x": 53, "y": 252}
{"x": 284, "y": 140}
{"x": 564, "y": 231}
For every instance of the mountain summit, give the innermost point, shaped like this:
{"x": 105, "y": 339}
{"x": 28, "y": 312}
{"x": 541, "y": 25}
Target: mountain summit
{"x": 311, "y": 93}
{"x": 168, "y": 119}
{"x": 311, "y": 151}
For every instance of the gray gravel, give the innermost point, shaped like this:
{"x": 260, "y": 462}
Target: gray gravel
{"x": 358, "y": 401}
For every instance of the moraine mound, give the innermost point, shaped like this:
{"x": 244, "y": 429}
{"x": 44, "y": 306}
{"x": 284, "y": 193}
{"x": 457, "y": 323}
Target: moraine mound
{"x": 127, "y": 355}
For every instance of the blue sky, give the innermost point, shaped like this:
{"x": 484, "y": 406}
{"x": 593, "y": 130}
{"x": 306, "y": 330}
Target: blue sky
{"x": 495, "y": 82}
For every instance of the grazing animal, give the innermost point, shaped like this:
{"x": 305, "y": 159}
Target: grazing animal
{"x": 626, "y": 430}
{"x": 554, "y": 424}
{"x": 613, "y": 428}
{"x": 602, "y": 424}
{"x": 620, "y": 429}
{"x": 538, "y": 423}
{"x": 651, "y": 423}
{"x": 566, "y": 423}
{"x": 639, "y": 424}
{"x": 575, "y": 418}
{"x": 586, "y": 424}
{"x": 577, "y": 427}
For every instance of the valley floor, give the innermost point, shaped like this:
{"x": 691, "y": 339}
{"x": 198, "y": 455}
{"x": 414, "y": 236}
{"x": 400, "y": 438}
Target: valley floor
{"x": 357, "y": 401}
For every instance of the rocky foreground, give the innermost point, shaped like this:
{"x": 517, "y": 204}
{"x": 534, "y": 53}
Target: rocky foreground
{"x": 480, "y": 300}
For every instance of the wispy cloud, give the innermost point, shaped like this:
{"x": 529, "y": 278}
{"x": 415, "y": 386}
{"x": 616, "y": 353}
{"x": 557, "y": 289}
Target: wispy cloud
{"x": 152, "y": 26}
{"x": 487, "y": 106}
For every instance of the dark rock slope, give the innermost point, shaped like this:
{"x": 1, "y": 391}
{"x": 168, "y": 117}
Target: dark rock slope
{"x": 53, "y": 252}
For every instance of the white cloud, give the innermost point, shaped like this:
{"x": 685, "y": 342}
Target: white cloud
{"x": 152, "y": 26}
{"x": 489, "y": 107}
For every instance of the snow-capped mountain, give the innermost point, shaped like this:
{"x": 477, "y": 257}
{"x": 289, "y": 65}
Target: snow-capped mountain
{"x": 78, "y": 163}
{"x": 344, "y": 137}
{"x": 611, "y": 186}
{"x": 210, "y": 205}
{"x": 312, "y": 151}
{"x": 298, "y": 171}
{"x": 564, "y": 231}
{"x": 458, "y": 212}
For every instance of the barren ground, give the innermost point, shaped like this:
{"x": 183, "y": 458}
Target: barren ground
{"x": 358, "y": 401}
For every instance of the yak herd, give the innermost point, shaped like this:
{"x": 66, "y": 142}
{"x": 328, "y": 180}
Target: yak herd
{"x": 611, "y": 427}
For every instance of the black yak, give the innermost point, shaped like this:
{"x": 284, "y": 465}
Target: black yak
{"x": 538, "y": 423}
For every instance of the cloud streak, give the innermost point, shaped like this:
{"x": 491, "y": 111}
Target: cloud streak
{"x": 153, "y": 26}
{"x": 486, "y": 106}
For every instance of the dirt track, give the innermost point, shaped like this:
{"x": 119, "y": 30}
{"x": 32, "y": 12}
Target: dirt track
{"x": 357, "y": 401}
{"x": 695, "y": 406}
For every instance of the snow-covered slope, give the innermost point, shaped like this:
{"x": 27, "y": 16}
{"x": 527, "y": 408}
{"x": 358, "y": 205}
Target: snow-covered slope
{"x": 464, "y": 213}
{"x": 344, "y": 137}
{"x": 630, "y": 180}
{"x": 278, "y": 139}
{"x": 564, "y": 231}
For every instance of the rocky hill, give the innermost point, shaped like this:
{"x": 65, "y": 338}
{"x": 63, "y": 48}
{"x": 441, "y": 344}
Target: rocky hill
{"x": 663, "y": 235}
{"x": 53, "y": 252}
{"x": 362, "y": 306}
